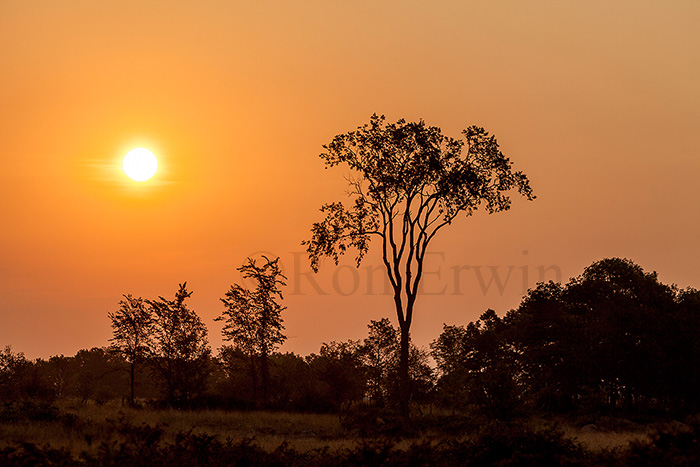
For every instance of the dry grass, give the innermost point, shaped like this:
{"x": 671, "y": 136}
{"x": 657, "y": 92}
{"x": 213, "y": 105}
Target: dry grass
{"x": 597, "y": 441}
{"x": 600, "y": 441}
{"x": 96, "y": 424}
{"x": 90, "y": 425}
{"x": 42, "y": 434}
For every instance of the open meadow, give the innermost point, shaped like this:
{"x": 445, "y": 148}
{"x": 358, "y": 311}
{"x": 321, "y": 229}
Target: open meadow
{"x": 111, "y": 434}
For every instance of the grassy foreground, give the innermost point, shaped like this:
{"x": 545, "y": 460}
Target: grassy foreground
{"x": 72, "y": 433}
{"x": 82, "y": 427}
{"x": 79, "y": 427}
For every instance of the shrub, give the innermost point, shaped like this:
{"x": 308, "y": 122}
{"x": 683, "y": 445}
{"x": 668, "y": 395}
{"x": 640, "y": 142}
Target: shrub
{"x": 670, "y": 445}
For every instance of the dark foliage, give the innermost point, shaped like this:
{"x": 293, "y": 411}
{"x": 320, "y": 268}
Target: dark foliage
{"x": 181, "y": 356}
{"x": 132, "y": 329}
{"x": 338, "y": 376}
{"x": 673, "y": 444}
{"x": 30, "y": 455}
{"x": 253, "y": 319}
{"x": 20, "y": 379}
{"x": 479, "y": 367}
{"x": 28, "y": 411}
{"x": 380, "y": 357}
{"x": 614, "y": 340}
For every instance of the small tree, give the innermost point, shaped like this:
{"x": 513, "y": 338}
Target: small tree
{"x": 411, "y": 182}
{"x": 253, "y": 320}
{"x": 19, "y": 378}
{"x": 97, "y": 374}
{"x": 380, "y": 356}
{"x": 132, "y": 328}
{"x": 380, "y": 352}
{"x": 181, "y": 348}
{"x": 339, "y": 367}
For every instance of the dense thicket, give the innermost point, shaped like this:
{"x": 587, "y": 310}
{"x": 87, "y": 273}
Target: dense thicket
{"x": 613, "y": 340}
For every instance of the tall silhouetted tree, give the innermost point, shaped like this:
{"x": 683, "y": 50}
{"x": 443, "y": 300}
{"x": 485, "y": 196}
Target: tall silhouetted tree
{"x": 253, "y": 318}
{"x": 132, "y": 328}
{"x": 411, "y": 181}
{"x": 182, "y": 351}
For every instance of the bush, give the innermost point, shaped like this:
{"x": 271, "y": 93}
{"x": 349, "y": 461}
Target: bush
{"x": 503, "y": 444}
{"x": 28, "y": 454}
{"x": 30, "y": 411}
{"x": 677, "y": 444}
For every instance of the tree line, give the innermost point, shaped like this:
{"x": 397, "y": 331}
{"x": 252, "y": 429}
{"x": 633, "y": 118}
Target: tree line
{"x": 614, "y": 340}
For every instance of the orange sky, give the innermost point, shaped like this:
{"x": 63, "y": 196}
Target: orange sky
{"x": 598, "y": 102}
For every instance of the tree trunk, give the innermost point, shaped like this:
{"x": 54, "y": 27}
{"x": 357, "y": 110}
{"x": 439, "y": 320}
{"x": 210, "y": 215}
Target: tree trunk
{"x": 254, "y": 378}
{"x": 264, "y": 367}
{"x": 171, "y": 389}
{"x": 132, "y": 374}
{"x": 404, "y": 379}
{"x": 265, "y": 370}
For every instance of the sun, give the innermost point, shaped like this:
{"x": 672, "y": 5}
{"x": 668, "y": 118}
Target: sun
{"x": 140, "y": 164}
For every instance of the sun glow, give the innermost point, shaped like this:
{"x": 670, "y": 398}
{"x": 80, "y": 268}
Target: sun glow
{"x": 140, "y": 164}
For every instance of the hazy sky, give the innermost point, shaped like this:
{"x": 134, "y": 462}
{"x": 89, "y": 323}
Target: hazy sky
{"x": 597, "y": 101}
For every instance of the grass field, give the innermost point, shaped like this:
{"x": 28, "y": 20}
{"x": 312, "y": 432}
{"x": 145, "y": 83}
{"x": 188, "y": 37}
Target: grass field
{"x": 84, "y": 426}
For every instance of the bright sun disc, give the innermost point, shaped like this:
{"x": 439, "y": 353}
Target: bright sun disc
{"x": 140, "y": 164}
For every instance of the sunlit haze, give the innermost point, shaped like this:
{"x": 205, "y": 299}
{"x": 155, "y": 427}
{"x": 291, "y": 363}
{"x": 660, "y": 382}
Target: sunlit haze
{"x": 597, "y": 102}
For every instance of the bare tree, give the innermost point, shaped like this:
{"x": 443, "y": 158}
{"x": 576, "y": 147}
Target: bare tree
{"x": 132, "y": 330}
{"x": 410, "y": 182}
{"x": 253, "y": 320}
